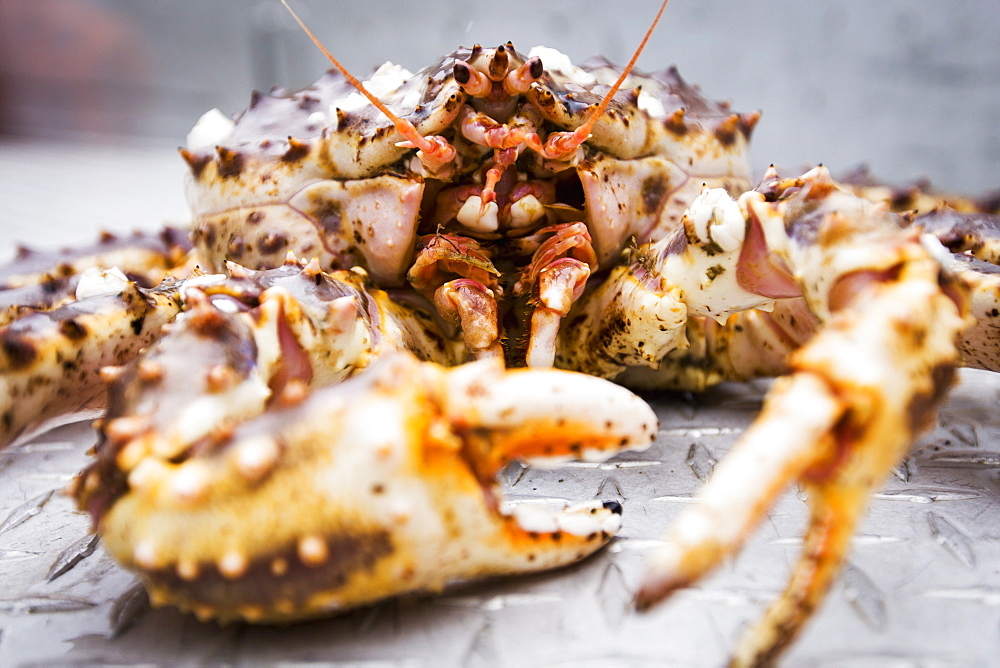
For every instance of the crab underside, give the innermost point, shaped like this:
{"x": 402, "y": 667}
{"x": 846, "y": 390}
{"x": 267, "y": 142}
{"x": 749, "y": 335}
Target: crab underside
{"x": 309, "y": 409}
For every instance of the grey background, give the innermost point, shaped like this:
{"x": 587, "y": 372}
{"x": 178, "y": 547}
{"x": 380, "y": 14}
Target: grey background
{"x": 910, "y": 88}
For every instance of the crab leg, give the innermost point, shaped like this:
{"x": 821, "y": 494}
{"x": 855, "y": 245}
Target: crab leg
{"x": 800, "y": 412}
{"x": 49, "y": 360}
{"x": 43, "y": 280}
{"x": 639, "y": 315}
{"x": 362, "y": 490}
{"x": 145, "y": 256}
{"x": 555, "y": 279}
{"x": 980, "y": 344}
{"x": 859, "y": 393}
{"x": 836, "y": 429}
{"x": 750, "y": 344}
{"x": 314, "y": 329}
{"x": 976, "y": 233}
{"x": 250, "y": 341}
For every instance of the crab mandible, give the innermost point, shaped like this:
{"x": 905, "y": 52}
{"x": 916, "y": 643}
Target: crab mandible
{"x": 547, "y": 217}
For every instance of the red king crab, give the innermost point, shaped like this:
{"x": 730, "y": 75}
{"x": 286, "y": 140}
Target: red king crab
{"x": 398, "y": 287}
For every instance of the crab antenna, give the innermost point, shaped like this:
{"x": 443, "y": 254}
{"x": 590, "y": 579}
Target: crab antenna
{"x": 404, "y": 127}
{"x": 583, "y": 131}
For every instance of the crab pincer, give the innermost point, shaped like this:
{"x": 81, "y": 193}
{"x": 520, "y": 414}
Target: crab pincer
{"x": 371, "y": 488}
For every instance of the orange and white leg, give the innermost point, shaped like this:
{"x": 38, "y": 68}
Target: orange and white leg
{"x": 858, "y": 394}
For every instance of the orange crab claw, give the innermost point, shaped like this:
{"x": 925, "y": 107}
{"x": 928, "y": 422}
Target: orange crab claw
{"x": 285, "y": 517}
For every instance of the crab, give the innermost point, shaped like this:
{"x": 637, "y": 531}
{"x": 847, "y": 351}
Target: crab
{"x": 395, "y": 288}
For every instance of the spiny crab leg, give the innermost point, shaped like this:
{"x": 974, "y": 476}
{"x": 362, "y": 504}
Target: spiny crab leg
{"x": 44, "y": 280}
{"x": 975, "y": 233}
{"x": 377, "y": 486}
{"x": 978, "y": 347}
{"x": 246, "y": 342}
{"x": 833, "y": 426}
{"x": 859, "y": 392}
{"x": 49, "y": 360}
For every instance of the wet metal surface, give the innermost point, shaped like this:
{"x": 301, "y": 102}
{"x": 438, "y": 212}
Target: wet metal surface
{"x": 921, "y": 584}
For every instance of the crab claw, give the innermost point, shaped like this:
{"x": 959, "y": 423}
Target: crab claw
{"x": 380, "y": 485}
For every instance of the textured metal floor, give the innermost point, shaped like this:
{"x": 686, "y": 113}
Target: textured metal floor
{"x": 922, "y": 587}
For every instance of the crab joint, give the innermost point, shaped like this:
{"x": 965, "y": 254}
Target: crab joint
{"x": 472, "y": 306}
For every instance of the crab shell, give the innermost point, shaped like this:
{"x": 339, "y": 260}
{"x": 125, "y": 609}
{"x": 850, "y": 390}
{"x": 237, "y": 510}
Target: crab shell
{"x": 318, "y": 172}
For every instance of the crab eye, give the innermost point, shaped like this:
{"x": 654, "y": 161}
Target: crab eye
{"x": 535, "y": 67}
{"x": 472, "y": 81}
{"x": 520, "y": 79}
{"x": 463, "y": 73}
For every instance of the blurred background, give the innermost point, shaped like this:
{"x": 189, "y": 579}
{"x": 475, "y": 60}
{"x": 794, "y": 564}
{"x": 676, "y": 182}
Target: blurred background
{"x": 912, "y": 90}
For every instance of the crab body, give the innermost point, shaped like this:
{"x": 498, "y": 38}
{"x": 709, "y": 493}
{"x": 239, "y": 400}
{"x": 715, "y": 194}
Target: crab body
{"x": 320, "y": 172}
{"x": 313, "y": 434}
